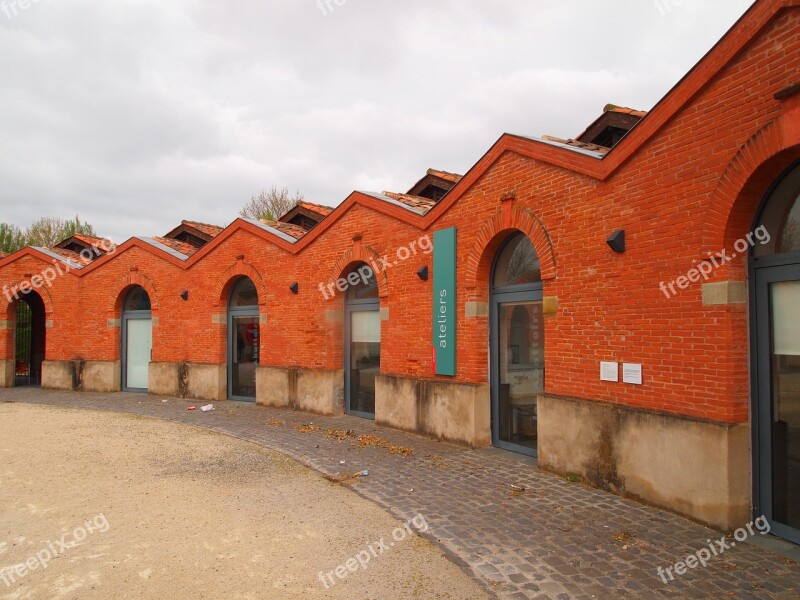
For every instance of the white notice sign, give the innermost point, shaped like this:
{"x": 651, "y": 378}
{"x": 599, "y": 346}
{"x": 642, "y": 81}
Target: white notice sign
{"x": 609, "y": 371}
{"x": 632, "y": 373}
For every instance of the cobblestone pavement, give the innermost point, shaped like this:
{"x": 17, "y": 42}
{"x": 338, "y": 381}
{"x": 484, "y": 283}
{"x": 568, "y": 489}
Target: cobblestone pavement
{"x": 555, "y": 540}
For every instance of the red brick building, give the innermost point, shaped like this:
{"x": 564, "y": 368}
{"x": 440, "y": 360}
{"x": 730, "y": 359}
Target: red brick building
{"x": 626, "y": 304}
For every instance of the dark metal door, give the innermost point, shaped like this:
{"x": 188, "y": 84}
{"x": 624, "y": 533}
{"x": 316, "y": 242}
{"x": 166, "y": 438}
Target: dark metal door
{"x": 776, "y": 316}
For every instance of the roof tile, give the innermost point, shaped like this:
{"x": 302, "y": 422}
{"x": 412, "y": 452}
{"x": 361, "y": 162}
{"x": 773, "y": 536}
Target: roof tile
{"x": 177, "y": 245}
{"x": 624, "y": 110}
{"x": 577, "y": 144}
{"x": 418, "y": 202}
{"x": 320, "y": 209}
{"x": 452, "y": 177}
{"x": 289, "y": 229}
{"x": 75, "y": 257}
{"x": 208, "y": 229}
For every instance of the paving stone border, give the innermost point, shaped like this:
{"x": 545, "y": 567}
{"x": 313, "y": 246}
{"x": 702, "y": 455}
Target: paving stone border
{"x": 544, "y": 538}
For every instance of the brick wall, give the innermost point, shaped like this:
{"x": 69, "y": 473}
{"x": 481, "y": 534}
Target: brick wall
{"x": 667, "y": 185}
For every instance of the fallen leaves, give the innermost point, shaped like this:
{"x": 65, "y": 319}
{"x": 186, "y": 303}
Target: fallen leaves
{"x": 438, "y": 462}
{"x": 345, "y": 479}
{"x": 624, "y": 537}
{"x": 307, "y": 428}
{"x": 401, "y": 451}
{"x": 372, "y": 440}
{"x": 339, "y": 434}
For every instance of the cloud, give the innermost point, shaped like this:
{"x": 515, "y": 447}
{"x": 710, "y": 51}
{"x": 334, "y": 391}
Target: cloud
{"x": 136, "y": 114}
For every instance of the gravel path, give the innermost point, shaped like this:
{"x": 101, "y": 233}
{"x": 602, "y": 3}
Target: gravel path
{"x": 165, "y": 510}
{"x": 521, "y": 533}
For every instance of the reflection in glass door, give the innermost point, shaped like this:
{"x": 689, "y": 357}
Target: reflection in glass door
{"x": 363, "y": 360}
{"x": 778, "y": 290}
{"x": 519, "y": 371}
{"x": 244, "y": 359}
{"x": 243, "y": 340}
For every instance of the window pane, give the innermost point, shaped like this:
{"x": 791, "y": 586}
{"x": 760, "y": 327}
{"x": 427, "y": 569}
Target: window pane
{"x": 244, "y": 293}
{"x": 137, "y": 299}
{"x": 786, "y": 317}
{"x": 366, "y": 326}
{"x": 790, "y": 235}
{"x": 517, "y": 264}
{"x": 786, "y": 402}
{"x": 781, "y": 218}
{"x": 365, "y": 359}
{"x": 365, "y": 287}
{"x": 138, "y": 353}
{"x": 245, "y": 356}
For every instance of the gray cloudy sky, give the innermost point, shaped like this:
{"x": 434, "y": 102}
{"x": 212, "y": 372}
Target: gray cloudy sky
{"x": 138, "y": 113}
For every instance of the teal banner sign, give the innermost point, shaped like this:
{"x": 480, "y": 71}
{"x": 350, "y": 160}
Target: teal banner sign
{"x": 444, "y": 302}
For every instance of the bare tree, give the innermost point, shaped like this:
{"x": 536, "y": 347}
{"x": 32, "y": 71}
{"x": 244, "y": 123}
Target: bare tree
{"x": 270, "y": 205}
{"x": 790, "y": 239}
{"x": 48, "y": 231}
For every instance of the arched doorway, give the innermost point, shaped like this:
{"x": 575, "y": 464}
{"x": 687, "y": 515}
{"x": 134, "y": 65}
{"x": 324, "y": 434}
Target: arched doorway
{"x": 362, "y": 349}
{"x": 29, "y": 339}
{"x": 137, "y": 340}
{"x": 243, "y": 340}
{"x": 775, "y": 320}
{"x": 517, "y": 345}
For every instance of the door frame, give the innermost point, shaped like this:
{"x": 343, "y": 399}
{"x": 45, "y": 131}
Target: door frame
{"x": 133, "y": 315}
{"x": 509, "y": 294}
{"x": 351, "y": 306}
{"x": 762, "y": 272}
{"x": 247, "y": 311}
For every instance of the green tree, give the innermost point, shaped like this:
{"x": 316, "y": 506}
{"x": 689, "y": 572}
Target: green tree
{"x": 11, "y": 238}
{"x": 270, "y": 205}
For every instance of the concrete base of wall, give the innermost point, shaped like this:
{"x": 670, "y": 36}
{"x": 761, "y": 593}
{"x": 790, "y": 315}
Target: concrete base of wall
{"x": 457, "y": 412}
{"x": 6, "y": 373}
{"x": 311, "y": 390}
{"x": 58, "y": 375}
{"x": 695, "y": 468}
{"x": 188, "y": 380}
{"x": 88, "y": 376}
{"x": 103, "y": 376}
{"x": 164, "y": 379}
{"x": 206, "y": 382}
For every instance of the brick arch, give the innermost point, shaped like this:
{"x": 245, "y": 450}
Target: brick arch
{"x": 131, "y": 279}
{"x": 494, "y": 234}
{"x": 740, "y": 190}
{"x": 361, "y": 254}
{"x": 233, "y": 272}
{"x": 8, "y": 314}
{"x": 44, "y": 294}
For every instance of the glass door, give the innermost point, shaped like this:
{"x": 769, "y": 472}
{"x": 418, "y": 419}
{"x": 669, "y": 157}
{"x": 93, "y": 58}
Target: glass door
{"x": 244, "y": 346}
{"x": 138, "y": 352}
{"x": 363, "y": 360}
{"x": 778, "y": 389}
{"x": 517, "y": 370}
